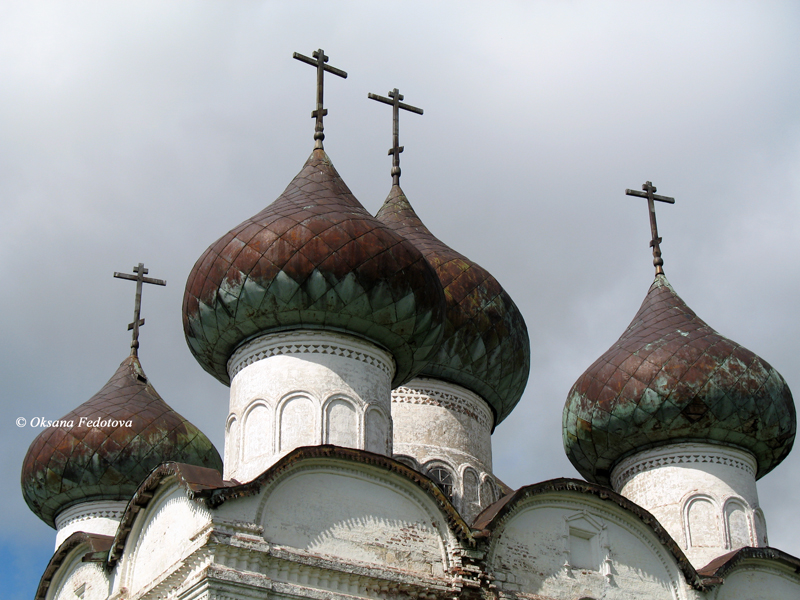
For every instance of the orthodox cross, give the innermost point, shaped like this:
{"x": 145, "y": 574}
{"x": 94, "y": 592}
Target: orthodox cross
{"x": 319, "y": 61}
{"x": 394, "y": 101}
{"x": 650, "y": 193}
{"x": 139, "y": 278}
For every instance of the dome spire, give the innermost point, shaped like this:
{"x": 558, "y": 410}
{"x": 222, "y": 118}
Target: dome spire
{"x": 394, "y": 101}
{"x": 650, "y": 193}
{"x": 319, "y": 61}
{"x": 139, "y": 278}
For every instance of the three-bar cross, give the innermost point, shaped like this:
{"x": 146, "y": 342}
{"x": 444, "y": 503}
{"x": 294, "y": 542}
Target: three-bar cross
{"x": 394, "y": 101}
{"x": 139, "y": 278}
{"x": 319, "y": 61}
{"x": 650, "y": 193}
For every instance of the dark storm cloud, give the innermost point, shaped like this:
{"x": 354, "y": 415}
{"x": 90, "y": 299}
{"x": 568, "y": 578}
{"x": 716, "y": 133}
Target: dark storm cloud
{"x": 143, "y": 132}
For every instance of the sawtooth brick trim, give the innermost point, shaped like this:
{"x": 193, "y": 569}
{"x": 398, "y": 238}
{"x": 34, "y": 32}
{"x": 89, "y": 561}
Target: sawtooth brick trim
{"x": 636, "y": 464}
{"x": 467, "y": 404}
{"x": 307, "y": 342}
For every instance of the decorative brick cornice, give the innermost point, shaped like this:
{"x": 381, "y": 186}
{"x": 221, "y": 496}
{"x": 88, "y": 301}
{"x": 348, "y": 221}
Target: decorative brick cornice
{"x": 90, "y": 510}
{"x": 310, "y": 342}
{"x": 446, "y": 395}
{"x": 680, "y": 454}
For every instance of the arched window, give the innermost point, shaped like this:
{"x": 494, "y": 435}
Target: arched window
{"x": 442, "y": 478}
{"x": 407, "y": 461}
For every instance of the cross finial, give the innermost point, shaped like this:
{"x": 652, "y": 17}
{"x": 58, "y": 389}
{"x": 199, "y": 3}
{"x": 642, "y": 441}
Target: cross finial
{"x": 650, "y": 193}
{"x": 139, "y": 278}
{"x": 319, "y": 61}
{"x": 394, "y": 101}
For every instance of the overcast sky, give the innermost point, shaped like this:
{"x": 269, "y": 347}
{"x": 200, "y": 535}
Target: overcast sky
{"x": 144, "y": 131}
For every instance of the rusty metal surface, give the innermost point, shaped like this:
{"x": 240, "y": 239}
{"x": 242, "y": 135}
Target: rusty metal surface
{"x": 67, "y": 465}
{"x": 491, "y": 520}
{"x": 485, "y": 347}
{"x": 672, "y": 378}
{"x": 720, "y": 567}
{"x": 314, "y": 259}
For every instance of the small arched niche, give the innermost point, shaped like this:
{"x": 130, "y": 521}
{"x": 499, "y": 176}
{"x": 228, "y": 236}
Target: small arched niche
{"x": 341, "y": 423}
{"x": 738, "y": 532}
{"x": 702, "y": 523}
{"x": 257, "y": 438}
{"x": 298, "y": 423}
{"x": 376, "y": 431}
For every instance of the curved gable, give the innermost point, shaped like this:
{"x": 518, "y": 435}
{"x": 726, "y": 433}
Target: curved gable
{"x": 753, "y": 579}
{"x": 163, "y": 535}
{"x": 76, "y": 569}
{"x": 161, "y": 525}
{"x": 750, "y": 572}
{"x": 356, "y": 515}
{"x": 569, "y": 539}
{"x": 350, "y": 506}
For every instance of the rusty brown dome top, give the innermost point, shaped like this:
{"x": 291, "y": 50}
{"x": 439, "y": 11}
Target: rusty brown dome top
{"x": 314, "y": 259}
{"x": 672, "y": 378}
{"x": 485, "y": 346}
{"x": 104, "y": 448}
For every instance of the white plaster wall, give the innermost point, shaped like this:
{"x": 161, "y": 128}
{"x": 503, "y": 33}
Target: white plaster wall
{"x": 762, "y": 581}
{"x": 704, "y": 495}
{"x": 303, "y": 388}
{"x": 619, "y": 559}
{"x": 441, "y": 423}
{"x": 163, "y": 535}
{"x": 75, "y": 577}
{"x": 357, "y": 516}
{"x": 100, "y": 518}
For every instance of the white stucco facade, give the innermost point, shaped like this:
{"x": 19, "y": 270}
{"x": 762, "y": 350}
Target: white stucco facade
{"x": 77, "y": 578}
{"x": 337, "y": 525}
{"x": 305, "y": 388}
{"x": 99, "y": 517}
{"x": 438, "y": 424}
{"x": 563, "y": 545}
{"x": 163, "y": 539}
{"x": 758, "y": 579}
{"x": 703, "y": 494}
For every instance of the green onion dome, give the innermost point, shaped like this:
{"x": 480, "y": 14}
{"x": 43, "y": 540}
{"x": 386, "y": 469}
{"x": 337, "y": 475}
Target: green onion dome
{"x": 314, "y": 259}
{"x": 671, "y": 378}
{"x": 485, "y": 347}
{"x": 105, "y": 448}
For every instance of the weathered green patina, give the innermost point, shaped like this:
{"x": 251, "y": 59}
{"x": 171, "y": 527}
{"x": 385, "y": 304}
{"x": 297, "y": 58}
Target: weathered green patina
{"x": 671, "y": 378}
{"x": 314, "y": 259}
{"x": 67, "y": 465}
{"x": 485, "y": 347}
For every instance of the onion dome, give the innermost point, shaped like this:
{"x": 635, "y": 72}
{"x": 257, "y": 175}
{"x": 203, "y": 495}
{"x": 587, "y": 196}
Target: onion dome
{"x": 671, "y": 378}
{"x": 104, "y": 448}
{"x": 313, "y": 259}
{"x": 485, "y": 347}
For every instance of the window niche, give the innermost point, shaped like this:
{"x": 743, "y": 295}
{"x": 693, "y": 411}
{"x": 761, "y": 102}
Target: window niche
{"x": 701, "y": 522}
{"x": 738, "y": 531}
{"x": 443, "y": 478}
{"x": 582, "y": 550}
{"x": 586, "y": 548}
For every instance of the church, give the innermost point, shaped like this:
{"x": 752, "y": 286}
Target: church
{"x": 368, "y": 365}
